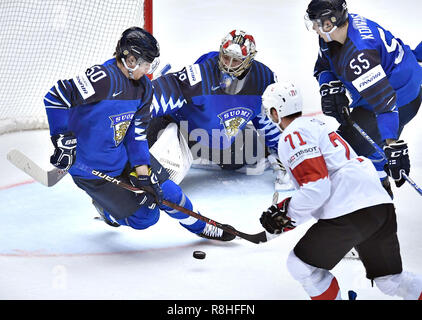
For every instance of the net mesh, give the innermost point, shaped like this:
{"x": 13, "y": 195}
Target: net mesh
{"x": 43, "y": 41}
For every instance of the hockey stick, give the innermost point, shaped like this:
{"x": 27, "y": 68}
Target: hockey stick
{"x": 50, "y": 178}
{"x": 378, "y": 149}
{"x": 255, "y": 238}
{"x": 47, "y": 178}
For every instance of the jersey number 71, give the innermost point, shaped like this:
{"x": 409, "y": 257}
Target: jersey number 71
{"x": 335, "y": 139}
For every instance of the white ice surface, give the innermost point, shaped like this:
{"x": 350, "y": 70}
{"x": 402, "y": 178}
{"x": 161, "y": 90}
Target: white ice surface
{"x": 52, "y": 248}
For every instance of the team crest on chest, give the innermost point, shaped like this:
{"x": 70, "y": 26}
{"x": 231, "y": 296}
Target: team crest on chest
{"x": 120, "y": 123}
{"x": 234, "y": 119}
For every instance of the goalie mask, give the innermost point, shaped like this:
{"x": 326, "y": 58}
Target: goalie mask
{"x": 237, "y": 51}
{"x": 142, "y": 46}
{"x": 284, "y": 97}
{"x": 326, "y": 15}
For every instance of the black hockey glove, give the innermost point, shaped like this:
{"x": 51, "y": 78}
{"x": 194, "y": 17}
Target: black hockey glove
{"x": 275, "y": 219}
{"x": 149, "y": 183}
{"x": 334, "y": 102}
{"x": 64, "y": 155}
{"x": 397, "y": 155}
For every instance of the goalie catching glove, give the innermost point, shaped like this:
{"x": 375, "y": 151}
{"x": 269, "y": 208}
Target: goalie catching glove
{"x": 275, "y": 219}
{"x": 64, "y": 155}
{"x": 397, "y": 155}
{"x": 149, "y": 183}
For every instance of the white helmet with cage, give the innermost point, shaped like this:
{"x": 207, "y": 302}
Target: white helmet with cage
{"x": 284, "y": 97}
{"x": 237, "y": 51}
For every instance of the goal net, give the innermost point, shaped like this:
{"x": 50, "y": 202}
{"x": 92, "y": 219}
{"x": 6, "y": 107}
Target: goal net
{"x": 43, "y": 41}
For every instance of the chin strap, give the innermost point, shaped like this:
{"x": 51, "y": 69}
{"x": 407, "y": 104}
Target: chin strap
{"x": 130, "y": 70}
{"x": 328, "y": 33}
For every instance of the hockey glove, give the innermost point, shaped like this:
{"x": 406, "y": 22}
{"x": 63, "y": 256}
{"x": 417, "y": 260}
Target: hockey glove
{"x": 64, "y": 155}
{"x": 275, "y": 219}
{"x": 334, "y": 102}
{"x": 149, "y": 183}
{"x": 397, "y": 155}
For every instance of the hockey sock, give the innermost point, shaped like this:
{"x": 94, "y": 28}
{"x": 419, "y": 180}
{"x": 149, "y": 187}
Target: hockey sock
{"x": 331, "y": 293}
{"x": 405, "y": 285}
{"x": 318, "y": 283}
{"x": 173, "y": 193}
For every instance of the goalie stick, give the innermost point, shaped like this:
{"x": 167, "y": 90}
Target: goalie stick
{"x": 50, "y": 178}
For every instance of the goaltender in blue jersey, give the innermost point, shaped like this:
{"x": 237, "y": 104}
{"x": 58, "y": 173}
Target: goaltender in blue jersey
{"x": 98, "y": 120}
{"x": 382, "y": 76}
{"x": 217, "y": 100}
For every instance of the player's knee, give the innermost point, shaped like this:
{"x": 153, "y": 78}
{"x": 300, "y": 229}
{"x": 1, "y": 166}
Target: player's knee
{"x": 173, "y": 193}
{"x": 319, "y": 283}
{"x": 142, "y": 218}
{"x": 388, "y": 284}
{"x": 299, "y": 270}
{"x": 406, "y": 285}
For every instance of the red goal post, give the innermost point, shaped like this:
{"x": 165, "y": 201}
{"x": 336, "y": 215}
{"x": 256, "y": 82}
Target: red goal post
{"x": 47, "y": 40}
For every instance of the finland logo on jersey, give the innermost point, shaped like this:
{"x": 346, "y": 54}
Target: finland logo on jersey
{"x": 120, "y": 123}
{"x": 233, "y": 119}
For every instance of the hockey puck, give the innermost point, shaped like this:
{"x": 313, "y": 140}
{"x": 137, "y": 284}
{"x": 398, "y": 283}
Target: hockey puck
{"x": 199, "y": 254}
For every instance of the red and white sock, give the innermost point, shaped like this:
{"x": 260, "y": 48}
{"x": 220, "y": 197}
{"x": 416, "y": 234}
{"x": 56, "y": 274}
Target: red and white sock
{"x": 331, "y": 293}
{"x": 318, "y": 283}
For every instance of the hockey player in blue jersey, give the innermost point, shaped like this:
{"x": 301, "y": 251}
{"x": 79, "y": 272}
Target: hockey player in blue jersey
{"x": 217, "y": 101}
{"x": 382, "y": 76}
{"x": 418, "y": 52}
{"x": 98, "y": 120}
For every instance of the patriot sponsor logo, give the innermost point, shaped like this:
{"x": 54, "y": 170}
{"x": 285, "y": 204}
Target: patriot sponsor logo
{"x": 234, "y": 119}
{"x": 120, "y": 123}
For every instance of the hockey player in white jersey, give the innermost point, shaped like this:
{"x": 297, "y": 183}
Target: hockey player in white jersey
{"x": 343, "y": 193}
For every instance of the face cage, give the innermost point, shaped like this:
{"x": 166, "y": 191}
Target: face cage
{"x": 309, "y": 23}
{"x": 153, "y": 66}
{"x": 238, "y": 70}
